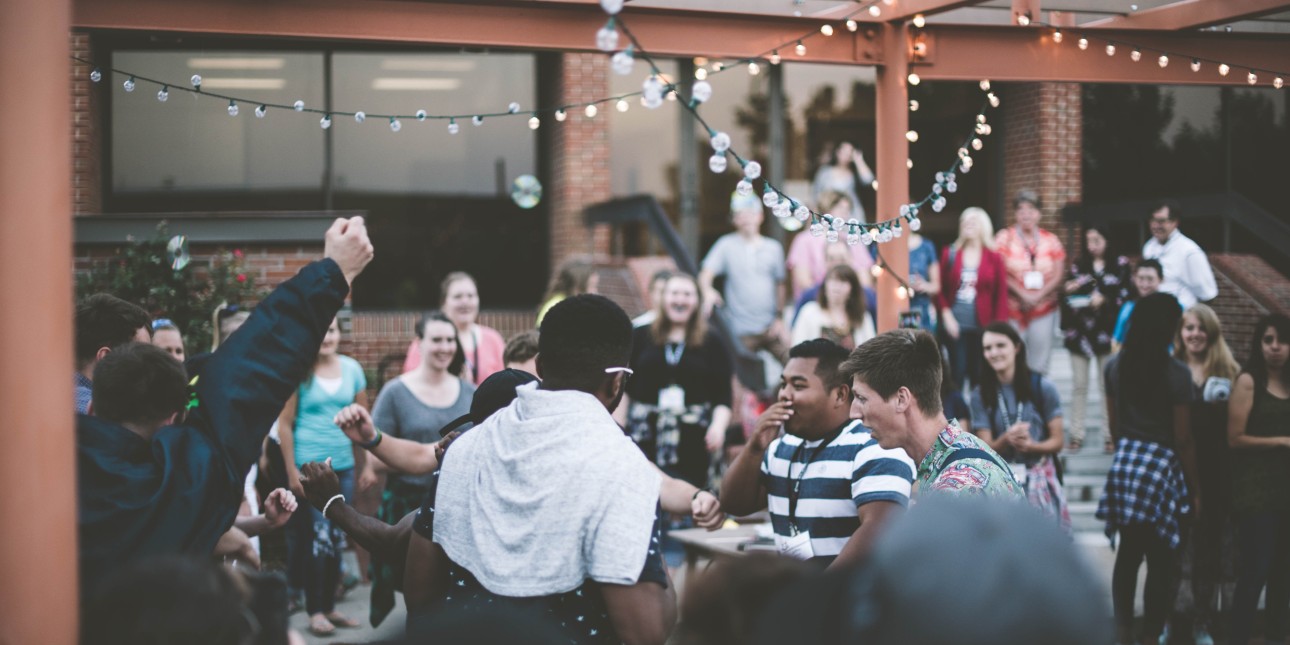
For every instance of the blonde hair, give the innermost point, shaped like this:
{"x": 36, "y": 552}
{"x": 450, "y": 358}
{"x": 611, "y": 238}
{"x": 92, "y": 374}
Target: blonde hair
{"x": 1218, "y": 357}
{"x": 696, "y": 328}
{"x": 985, "y": 227}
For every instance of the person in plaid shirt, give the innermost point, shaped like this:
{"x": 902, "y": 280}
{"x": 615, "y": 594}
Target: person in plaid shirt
{"x": 1035, "y": 261}
{"x": 1152, "y": 482}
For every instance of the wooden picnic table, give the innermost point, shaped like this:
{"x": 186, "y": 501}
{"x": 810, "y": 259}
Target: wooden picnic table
{"x": 722, "y": 543}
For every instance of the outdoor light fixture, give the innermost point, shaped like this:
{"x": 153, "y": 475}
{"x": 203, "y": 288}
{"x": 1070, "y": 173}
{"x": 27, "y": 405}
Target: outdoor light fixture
{"x": 1023, "y": 19}
{"x": 852, "y": 25}
{"x": 1083, "y": 43}
{"x": 1163, "y": 60}
{"x": 1057, "y": 36}
{"x": 913, "y": 79}
{"x": 826, "y": 29}
{"x": 920, "y": 21}
{"x": 800, "y": 49}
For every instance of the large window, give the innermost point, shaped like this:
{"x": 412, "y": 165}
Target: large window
{"x": 436, "y": 202}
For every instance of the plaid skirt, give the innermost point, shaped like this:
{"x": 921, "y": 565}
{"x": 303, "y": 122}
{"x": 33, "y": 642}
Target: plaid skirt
{"x": 1145, "y": 487}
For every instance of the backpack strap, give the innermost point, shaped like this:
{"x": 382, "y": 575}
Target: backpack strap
{"x": 975, "y": 453}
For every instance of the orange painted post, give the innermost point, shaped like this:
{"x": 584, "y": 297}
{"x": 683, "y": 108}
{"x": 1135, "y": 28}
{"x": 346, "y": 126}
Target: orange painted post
{"x": 893, "y": 175}
{"x": 38, "y": 600}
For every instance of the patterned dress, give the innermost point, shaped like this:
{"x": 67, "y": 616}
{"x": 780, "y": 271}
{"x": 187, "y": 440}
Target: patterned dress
{"x": 1087, "y": 330}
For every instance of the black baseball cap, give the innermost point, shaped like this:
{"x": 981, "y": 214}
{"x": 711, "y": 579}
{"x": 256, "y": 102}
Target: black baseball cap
{"x": 495, "y": 393}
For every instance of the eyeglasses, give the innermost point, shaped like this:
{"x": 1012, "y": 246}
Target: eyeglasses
{"x": 625, "y": 370}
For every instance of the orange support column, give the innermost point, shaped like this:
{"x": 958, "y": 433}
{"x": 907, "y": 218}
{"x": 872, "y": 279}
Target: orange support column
{"x": 892, "y": 173}
{"x": 38, "y": 599}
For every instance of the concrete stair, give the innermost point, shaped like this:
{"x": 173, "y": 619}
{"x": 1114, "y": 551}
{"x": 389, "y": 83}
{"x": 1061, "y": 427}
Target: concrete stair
{"x": 1084, "y": 472}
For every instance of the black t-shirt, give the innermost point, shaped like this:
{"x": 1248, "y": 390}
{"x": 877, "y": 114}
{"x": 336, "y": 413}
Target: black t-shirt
{"x": 704, "y": 372}
{"x": 581, "y": 613}
{"x": 1150, "y": 420}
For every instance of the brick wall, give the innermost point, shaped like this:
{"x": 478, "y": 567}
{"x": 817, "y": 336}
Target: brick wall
{"x": 86, "y": 148}
{"x": 580, "y": 158}
{"x": 1043, "y": 144}
{"x": 1248, "y": 288}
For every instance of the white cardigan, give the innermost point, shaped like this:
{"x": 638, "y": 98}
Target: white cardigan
{"x": 811, "y": 322}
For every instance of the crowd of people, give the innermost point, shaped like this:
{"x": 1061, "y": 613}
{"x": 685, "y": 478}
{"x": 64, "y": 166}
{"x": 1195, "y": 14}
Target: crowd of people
{"x": 538, "y": 480}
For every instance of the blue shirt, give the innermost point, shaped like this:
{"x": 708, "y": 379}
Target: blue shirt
{"x": 836, "y": 480}
{"x": 316, "y": 435}
{"x": 84, "y": 393}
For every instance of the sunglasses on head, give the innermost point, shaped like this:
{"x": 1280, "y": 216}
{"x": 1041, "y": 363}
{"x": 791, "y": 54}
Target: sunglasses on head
{"x": 162, "y": 322}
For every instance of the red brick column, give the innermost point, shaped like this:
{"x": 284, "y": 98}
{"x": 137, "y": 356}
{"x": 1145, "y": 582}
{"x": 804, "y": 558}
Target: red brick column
{"x": 87, "y": 179}
{"x": 580, "y": 157}
{"x": 1043, "y": 144}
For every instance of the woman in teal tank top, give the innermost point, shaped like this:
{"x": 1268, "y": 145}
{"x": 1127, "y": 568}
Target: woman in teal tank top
{"x": 308, "y": 433}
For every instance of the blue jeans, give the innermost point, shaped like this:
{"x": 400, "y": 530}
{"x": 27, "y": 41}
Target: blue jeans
{"x": 314, "y": 551}
{"x": 965, "y": 356}
{"x": 1261, "y": 559}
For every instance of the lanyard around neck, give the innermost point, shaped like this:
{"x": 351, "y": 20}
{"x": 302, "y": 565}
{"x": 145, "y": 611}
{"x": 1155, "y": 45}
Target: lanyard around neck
{"x": 795, "y": 492}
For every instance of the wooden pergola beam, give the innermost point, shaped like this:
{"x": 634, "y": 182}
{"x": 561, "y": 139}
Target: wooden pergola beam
{"x": 1192, "y": 14}
{"x": 906, "y": 9}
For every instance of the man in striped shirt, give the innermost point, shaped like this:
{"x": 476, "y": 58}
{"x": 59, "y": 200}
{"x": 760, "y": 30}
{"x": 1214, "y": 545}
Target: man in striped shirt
{"x": 827, "y": 483}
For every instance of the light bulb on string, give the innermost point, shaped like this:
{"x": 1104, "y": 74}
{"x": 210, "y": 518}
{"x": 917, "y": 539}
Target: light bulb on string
{"x": 591, "y": 111}
{"x": 781, "y": 209}
{"x": 753, "y": 68}
{"x": 232, "y": 108}
{"x": 720, "y": 142}
{"x": 717, "y": 163}
{"x": 831, "y": 236}
{"x": 977, "y": 144}
{"x": 915, "y": 224}
{"x": 826, "y": 29}
{"x": 477, "y": 120}
{"x": 800, "y": 49}
{"x": 395, "y": 125}
{"x": 700, "y": 73}
{"x": 534, "y": 122}
{"x": 360, "y": 116}
{"x": 920, "y": 21}
{"x": 852, "y": 25}
{"x": 1023, "y": 19}
{"x": 984, "y": 85}
{"x": 875, "y": 11}
{"x": 1195, "y": 65}
{"x": 902, "y": 293}
{"x": 196, "y": 80}
{"x": 453, "y": 128}
{"x": 1251, "y": 78}
{"x": 752, "y": 170}
{"x": 1135, "y": 55}
{"x": 1223, "y": 69}
{"x": 817, "y": 230}
{"x": 801, "y": 212}
{"x": 560, "y": 115}
{"x": 718, "y": 66}
{"x": 128, "y": 85}
{"x": 909, "y": 164}
{"x": 260, "y": 111}
{"x": 1083, "y": 44}
{"x": 912, "y": 136}
{"x": 421, "y": 115}
{"x": 1163, "y": 61}
{"x": 623, "y": 62}
{"x": 325, "y": 122}
{"x": 913, "y": 105}
{"x": 513, "y": 108}
{"x": 1277, "y": 82}
{"x": 774, "y": 58}
{"x": 611, "y": 7}
{"x": 700, "y": 92}
{"x": 96, "y": 75}
{"x": 607, "y": 37}
{"x": 769, "y": 196}
{"x": 1110, "y": 49}
{"x": 1057, "y": 36}
{"x": 866, "y": 238}
{"x": 622, "y": 105}
{"x": 993, "y": 98}
{"x": 744, "y": 187}
{"x": 163, "y": 94}
{"x": 298, "y": 106}
{"x": 913, "y": 79}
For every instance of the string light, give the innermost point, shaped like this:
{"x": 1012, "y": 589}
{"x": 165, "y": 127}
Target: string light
{"x": 1223, "y": 69}
{"x": 232, "y": 108}
{"x": 774, "y": 58}
{"x": 325, "y": 122}
{"x": 261, "y": 111}
{"x": 1083, "y": 44}
{"x": 163, "y": 94}
{"x": 1195, "y": 65}
{"x": 128, "y": 85}
{"x": 875, "y": 11}
{"x": 800, "y": 49}
{"x": 1277, "y": 82}
{"x": 360, "y": 116}
{"x": 1163, "y": 61}
{"x": 96, "y": 75}
{"x": 913, "y": 105}
{"x": 623, "y": 62}
{"x": 1135, "y": 55}
{"x": 534, "y": 122}
{"x": 1023, "y": 19}
{"x": 1110, "y": 49}
{"x": 477, "y": 120}
{"x": 753, "y": 68}
{"x": 826, "y": 29}
{"x": 913, "y": 79}
{"x": 852, "y": 25}
{"x": 591, "y": 111}
{"x": 912, "y": 136}
{"x": 1252, "y": 78}
{"x": 1057, "y": 36}
{"x": 453, "y": 128}
{"x": 984, "y": 85}
{"x": 920, "y": 21}
{"x": 607, "y": 37}
{"x": 395, "y": 125}
{"x": 701, "y": 73}
{"x": 560, "y": 115}
{"x": 622, "y": 105}
{"x": 421, "y": 116}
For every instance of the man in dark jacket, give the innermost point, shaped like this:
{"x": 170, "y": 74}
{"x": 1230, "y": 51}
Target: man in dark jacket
{"x": 161, "y": 466}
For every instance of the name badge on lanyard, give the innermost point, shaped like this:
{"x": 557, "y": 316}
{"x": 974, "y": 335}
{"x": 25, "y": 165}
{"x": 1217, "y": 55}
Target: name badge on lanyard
{"x": 1018, "y": 473}
{"x": 672, "y": 398}
{"x": 797, "y": 547}
{"x": 1033, "y": 280}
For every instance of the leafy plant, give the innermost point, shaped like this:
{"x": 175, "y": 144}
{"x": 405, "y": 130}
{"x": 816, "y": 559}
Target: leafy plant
{"x": 142, "y": 272}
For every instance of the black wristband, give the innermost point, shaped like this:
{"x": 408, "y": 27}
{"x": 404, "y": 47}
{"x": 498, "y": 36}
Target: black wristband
{"x": 374, "y": 442}
{"x": 702, "y": 490}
